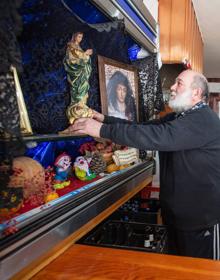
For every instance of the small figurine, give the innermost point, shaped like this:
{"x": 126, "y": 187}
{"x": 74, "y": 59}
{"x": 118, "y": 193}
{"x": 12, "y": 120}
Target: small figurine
{"x": 62, "y": 164}
{"x": 124, "y": 157}
{"x": 82, "y": 171}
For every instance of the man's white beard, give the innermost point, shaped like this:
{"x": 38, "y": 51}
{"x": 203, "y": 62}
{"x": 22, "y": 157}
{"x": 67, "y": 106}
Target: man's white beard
{"x": 181, "y": 102}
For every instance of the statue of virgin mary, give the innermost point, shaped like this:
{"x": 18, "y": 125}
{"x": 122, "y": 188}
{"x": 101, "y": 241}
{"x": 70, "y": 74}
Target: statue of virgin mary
{"x": 78, "y": 67}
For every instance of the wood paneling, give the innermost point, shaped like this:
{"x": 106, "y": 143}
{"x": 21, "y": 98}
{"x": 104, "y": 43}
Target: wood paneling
{"x": 82, "y": 262}
{"x": 187, "y": 28}
{"x": 165, "y": 21}
{"x": 180, "y": 37}
{"x": 177, "y": 30}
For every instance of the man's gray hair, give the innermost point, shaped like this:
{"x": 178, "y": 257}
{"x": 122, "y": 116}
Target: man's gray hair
{"x": 199, "y": 81}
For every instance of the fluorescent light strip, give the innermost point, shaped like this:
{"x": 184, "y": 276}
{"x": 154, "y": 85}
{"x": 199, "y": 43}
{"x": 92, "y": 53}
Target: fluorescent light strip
{"x": 123, "y": 11}
{"x": 141, "y": 16}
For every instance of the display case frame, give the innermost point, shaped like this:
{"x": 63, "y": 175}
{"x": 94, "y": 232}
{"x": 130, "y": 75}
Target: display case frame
{"x": 71, "y": 223}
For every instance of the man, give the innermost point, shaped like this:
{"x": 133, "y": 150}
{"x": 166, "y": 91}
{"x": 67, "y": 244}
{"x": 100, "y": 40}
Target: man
{"x": 188, "y": 142}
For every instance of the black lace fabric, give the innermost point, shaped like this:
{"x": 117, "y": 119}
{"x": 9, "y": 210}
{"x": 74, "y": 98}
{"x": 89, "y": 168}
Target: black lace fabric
{"x": 150, "y": 90}
{"x": 9, "y": 114}
{"x": 10, "y": 138}
{"x": 10, "y": 28}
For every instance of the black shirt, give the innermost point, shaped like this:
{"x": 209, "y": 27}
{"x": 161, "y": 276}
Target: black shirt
{"x": 189, "y": 150}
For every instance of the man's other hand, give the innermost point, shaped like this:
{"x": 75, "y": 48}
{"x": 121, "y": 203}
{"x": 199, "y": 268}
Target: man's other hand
{"x": 98, "y": 116}
{"x": 86, "y": 126}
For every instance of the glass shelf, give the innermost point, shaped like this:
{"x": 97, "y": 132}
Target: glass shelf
{"x": 45, "y": 138}
{"x": 51, "y": 137}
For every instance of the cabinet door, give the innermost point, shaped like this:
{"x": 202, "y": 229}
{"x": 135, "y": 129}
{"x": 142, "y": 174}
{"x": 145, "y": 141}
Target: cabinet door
{"x": 177, "y": 32}
{"x": 172, "y": 30}
{"x": 180, "y": 36}
{"x": 165, "y": 8}
{"x": 187, "y": 36}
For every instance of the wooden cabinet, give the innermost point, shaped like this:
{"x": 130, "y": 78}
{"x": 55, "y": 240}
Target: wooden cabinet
{"x": 180, "y": 37}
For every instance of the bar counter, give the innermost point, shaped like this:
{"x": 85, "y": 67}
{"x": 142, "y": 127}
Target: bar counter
{"x": 99, "y": 263}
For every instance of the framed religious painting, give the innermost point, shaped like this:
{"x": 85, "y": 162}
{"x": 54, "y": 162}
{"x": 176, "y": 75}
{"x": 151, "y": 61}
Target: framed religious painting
{"x": 25, "y": 125}
{"x": 118, "y": 84}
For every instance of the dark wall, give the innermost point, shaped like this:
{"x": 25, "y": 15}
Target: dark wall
{"x": 168, "y": 74}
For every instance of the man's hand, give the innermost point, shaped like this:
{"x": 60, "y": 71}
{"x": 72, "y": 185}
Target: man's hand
{"x": 86, "y": 126}
{"x": 97, "y": 116}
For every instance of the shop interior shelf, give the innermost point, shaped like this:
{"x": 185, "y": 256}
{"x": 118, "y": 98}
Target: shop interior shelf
{"x": 128, "y": 235}
{"x": 140, "y": 217}
{"x": 45, "y": 137}
{"x": 51, "y": 137}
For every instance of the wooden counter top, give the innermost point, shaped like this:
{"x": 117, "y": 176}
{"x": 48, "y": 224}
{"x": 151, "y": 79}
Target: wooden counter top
{"x": 97, "y": 263}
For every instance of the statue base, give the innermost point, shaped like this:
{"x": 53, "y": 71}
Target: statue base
{"x": 79, "y": 110}
{"x": 76, "y": 111}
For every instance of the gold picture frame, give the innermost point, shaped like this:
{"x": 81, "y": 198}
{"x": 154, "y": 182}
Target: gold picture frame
{"x": 25, "y": 125}
{"x": 109, "y": 69}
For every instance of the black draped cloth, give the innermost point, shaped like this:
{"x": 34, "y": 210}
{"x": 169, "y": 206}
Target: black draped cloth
{"x": 10, "y": 26}
{"x": 150, "y": 90}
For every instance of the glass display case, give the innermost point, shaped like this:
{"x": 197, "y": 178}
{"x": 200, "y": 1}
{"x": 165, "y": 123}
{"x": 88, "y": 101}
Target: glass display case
{"x": 35, "y": 228}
